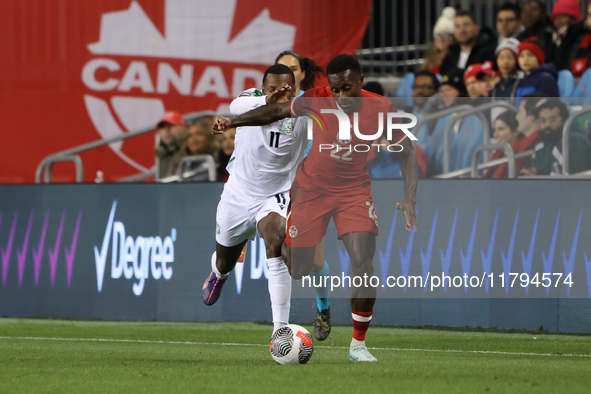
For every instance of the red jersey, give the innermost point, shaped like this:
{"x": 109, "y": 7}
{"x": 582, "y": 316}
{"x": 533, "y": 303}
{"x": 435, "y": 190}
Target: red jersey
{"x": 335, "y": 165}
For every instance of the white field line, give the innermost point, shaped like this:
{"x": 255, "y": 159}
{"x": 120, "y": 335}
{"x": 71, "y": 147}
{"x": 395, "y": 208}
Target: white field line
{"x": 320, "y": 347}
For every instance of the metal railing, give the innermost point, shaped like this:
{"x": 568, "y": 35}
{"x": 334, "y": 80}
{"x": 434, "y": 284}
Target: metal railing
{"x": 484, "y": 166}
{"x": 485, "y": 124}
{"x": 566, "y": 135}
{"x": 508, "y": 153}
{"x": 439, "y": 114}
{"x": 186, "y": 169}
{"x": 45, "y": 167}
{"x": 49, "y": 168}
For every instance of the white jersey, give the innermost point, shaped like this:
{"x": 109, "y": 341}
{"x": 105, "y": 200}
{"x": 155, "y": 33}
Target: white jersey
{"x": 265, "y": 158}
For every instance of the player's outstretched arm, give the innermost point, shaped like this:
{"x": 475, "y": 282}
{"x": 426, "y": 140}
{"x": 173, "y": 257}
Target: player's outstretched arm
{"x": 410, "y": 174}
{"x": 264, "y": 115}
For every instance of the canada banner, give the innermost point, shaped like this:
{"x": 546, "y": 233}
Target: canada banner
{"x": 76, "y": 71}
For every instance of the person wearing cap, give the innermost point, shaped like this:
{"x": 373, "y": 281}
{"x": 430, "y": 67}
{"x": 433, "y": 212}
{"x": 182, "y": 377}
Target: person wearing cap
{"x": 452, "y": 86}
{"x": 534, "y": 19}
{"x": 442, "y": 39}
{"x": 507, "y": 66}
{"x": 171, "y": 129}
{"x": 551, "y": 114}
{"x": 539, "y": 77}
{"x": 509, "y": 21}
{"x": 571, "y": 37}
{"x": 478, "y": 79}
{"x": 475, "y": 44}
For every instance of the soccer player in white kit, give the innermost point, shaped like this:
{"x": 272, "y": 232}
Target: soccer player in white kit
{"x": 256, "y": 196}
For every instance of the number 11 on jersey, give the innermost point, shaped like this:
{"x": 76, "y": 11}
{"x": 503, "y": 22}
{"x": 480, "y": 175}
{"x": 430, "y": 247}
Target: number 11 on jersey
{"x": 274, "y": 140}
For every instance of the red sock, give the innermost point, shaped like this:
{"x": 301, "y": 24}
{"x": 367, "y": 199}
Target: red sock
{"x": 360, "y": 324}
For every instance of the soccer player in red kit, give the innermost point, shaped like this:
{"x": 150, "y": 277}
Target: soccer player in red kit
{"x": 333, "y": 180}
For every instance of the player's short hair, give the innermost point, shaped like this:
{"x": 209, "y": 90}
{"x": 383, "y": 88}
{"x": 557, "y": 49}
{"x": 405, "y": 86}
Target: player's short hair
{"x": 278, "y": 69}
{"x": 343, "y": 62}
{"x": 511, "y": 7}
{"x": 466, "y": 13}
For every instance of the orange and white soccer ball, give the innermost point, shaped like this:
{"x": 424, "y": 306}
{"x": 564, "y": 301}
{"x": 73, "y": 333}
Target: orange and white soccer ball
{"x": 291, "y": 344}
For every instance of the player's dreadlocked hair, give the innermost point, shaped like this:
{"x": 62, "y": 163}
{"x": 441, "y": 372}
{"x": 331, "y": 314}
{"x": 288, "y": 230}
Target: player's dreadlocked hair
{"x": 278, "y": 69}
{"x": 308, "y": 66}
{"x": 343, "y": 62}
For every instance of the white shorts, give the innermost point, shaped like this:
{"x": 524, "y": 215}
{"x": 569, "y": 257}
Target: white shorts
{"x": 237, "y": 215}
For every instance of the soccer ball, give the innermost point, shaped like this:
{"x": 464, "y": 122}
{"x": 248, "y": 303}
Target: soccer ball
{"x": 291, "y": 344}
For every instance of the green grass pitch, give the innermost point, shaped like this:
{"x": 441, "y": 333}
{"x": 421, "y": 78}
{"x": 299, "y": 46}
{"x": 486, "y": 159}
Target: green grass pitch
{"x": 130, "y": 357}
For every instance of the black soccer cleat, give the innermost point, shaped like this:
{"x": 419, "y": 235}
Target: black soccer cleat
{"x": 322, "y": 324}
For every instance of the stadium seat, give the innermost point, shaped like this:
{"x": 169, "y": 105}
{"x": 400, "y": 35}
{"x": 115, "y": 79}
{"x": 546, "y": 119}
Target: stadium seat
{"x": 405, "y": 89}
{"x": 566, "y": 83}
{"x": 463, "y": 145}
{"x": 435, "y": 144}
{"x": 423, "y": 133}
{"x": 583, "y": 89}
{"x": 386, "y": 170}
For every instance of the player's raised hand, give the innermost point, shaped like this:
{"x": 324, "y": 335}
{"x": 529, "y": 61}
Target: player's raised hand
{"x": 221, "y": 124}
{"x": 279, "y": 95}
{"x": 409, "y": 213}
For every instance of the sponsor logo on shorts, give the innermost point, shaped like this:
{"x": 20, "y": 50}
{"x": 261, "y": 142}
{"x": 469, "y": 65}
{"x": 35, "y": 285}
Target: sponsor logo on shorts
{"x": 217, "y": 228}
{"x": 293, "y": 231}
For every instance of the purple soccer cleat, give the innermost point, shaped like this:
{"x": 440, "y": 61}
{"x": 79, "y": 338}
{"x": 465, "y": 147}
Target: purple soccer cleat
{"x": 212, "y": 288}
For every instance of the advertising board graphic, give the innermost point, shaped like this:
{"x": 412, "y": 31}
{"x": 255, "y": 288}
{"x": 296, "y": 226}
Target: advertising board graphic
{"x": 142, "y": 252}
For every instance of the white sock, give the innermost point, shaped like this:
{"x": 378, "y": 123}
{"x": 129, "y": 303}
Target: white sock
{"x": 355, "y": 342}
{"x": 280, "y": 291}
{"x": 214, "y": 267}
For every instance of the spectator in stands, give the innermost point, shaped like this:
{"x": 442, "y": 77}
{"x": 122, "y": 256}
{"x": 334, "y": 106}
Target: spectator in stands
{"x": 571, "y": 38}
{"x": 539, "y": 77}
{"x": 475, "y": 45}
{"x": 478, "y": 79}
{"x": 374, "y": 87}
{"x": 537, "y": 24}
{"x": 551, "y": 114}
{"x": 426, "y": 85}
{"x": 198, "y": 141}
{"x": 526, "y": 120}
{"x": 506, "y": 132}
{"x": 509, "y": 21}
{"x": 304, "y": 70}
{"x": 507, "y": 65}
{"x": 452, "y": 87}
{"x": 172, "y": 130}
{"x": 225, "y": 153}
{"x": 442, "y": 39}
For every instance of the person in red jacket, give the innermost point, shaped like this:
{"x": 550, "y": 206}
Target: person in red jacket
{"x": 507, "y": 131}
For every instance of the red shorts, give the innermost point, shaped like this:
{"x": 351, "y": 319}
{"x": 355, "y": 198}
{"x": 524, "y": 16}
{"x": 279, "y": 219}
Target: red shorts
{"x": 310, "y": 212}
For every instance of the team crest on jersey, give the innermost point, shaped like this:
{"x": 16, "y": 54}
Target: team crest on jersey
{"x": 293, "y": 231}
{"x": 287, "y": 126}
{"x": 344, "y": 141}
